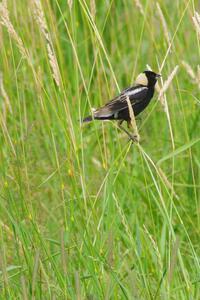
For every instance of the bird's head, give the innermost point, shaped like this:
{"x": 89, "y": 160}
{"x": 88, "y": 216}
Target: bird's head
{"x": 147, "y": 78}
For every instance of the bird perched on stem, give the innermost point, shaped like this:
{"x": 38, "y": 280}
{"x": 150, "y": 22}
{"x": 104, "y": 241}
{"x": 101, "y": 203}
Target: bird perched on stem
{"x": 118, "y": 108}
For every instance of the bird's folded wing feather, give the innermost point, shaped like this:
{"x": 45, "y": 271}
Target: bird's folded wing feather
{"x": 135, "y": 94}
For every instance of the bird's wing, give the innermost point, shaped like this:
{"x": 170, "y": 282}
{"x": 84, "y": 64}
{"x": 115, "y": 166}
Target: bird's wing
{"x": 135, "y": 94}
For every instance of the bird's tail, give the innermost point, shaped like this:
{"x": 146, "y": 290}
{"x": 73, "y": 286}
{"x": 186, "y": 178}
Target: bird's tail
{"x": 87, "y": 119}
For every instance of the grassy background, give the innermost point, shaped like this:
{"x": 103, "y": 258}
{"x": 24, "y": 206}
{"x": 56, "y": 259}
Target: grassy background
{"x": 84, "y": 214}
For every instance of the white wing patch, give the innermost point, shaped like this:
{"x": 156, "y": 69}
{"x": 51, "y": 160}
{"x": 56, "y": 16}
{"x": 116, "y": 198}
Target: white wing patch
{"x": 136, "y": 91}
{"x": 119, "y": 103}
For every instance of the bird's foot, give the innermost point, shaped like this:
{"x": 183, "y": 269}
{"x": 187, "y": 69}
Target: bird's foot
{"x": 135, "y": 138}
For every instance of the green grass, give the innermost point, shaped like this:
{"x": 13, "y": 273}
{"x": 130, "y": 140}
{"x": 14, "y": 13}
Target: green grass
{"x": 85, "y": 214}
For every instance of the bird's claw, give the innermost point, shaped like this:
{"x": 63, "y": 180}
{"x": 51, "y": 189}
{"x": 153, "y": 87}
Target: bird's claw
{"x": 134, "y": 138}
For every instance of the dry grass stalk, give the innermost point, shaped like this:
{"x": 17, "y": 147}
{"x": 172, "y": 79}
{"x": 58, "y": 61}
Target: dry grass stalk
{"x": 195, "y": 77}
{"x": 198, "y": 75}
{"x": 24, "y": 288}
{"x": 110, "y": 254}
{"x": 138, "y": 4}
{"x": 163, "y": 100}
{"x": 6, "y": 104}
{"x": 10, "y": 236}
{"x": 1, "y": 36}
{"x": 93, "y": 8}
{"x": 54, "y": 64}
{"x": 133, "y": 122}
{"x": 7, "y": 230}
{"x": 196, "y": 21}
{"x": 5, "y": 21}
{"x": 63, "y": 252}
{"x": 148, "y": 67}
{"x": 6, "y": 134}
{"x": 40, "y": 18}
{"x": 166, "y": 84}
{"x": 35, "y": 271}
{"x": 158, "y": 89}
{"x": 77, "y": 285}
{"x": 189, "y": 70}
{"x": 168, "y": 81}
{"x": 70, "y": 3}
{"x": 155, "y": 247}
{"x": 3, "y": 267}
{"x": 123, "y": 217}
{"x": 166, "y": 181}
{"x": 164, "y": 24}
{"x": 173, "y": 260}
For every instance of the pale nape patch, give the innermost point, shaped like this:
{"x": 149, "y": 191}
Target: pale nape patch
{"x": 142, "y": 79}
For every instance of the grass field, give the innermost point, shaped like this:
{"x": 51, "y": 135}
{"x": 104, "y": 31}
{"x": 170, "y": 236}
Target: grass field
{"x": 84, "y": 213}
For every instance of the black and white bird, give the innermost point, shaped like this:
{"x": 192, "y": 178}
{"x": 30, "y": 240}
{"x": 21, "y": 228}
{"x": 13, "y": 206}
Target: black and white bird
{"x": 139, "y": 95}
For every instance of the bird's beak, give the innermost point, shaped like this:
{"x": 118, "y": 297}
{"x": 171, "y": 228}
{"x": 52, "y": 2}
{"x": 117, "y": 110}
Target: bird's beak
{"x": 158, "y": 76}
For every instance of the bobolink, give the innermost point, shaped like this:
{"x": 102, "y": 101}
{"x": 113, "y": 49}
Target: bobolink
{"x": 139, "y": 95}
